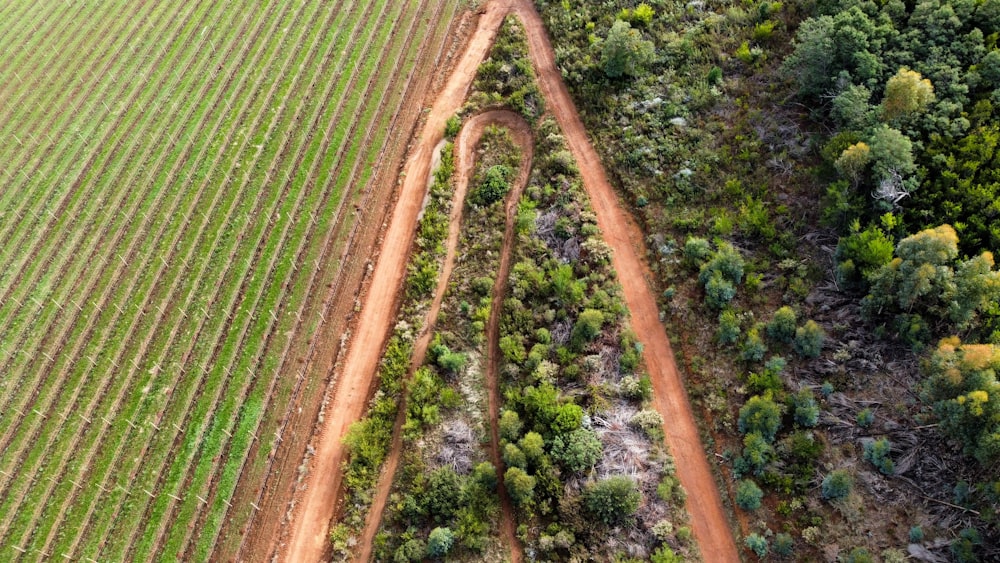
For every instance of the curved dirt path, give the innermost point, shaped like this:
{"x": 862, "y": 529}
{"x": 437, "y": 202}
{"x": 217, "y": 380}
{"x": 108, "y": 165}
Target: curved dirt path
{"x": 311, "y": 522}
{"x": 465, "y": 155}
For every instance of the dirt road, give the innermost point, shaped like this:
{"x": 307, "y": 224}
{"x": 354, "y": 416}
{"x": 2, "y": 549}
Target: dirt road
{"x": 465, "y": 145}
{"x": 311, "y": 522}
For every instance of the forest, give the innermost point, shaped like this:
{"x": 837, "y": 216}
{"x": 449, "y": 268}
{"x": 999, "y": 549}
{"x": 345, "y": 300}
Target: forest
{"x": 819, "y": 187}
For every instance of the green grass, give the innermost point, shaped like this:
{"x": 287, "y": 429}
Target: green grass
{"x": 158, "y": 258}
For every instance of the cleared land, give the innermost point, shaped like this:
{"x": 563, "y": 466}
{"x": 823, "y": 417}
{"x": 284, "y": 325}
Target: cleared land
{"x": 175, "y": 204}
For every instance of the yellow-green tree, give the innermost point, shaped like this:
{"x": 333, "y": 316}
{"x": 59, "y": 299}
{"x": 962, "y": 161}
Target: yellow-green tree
{"x": 906, "y": 92}
{"x": 962, "y": 386}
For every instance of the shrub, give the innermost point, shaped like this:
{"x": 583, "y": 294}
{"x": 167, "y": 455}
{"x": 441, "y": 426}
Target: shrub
{"x": 916, "y": 534}
{"x": 613, "y": 500}
{"x": 452, "y": 362}
{"x": 729, "y": 327}
{"x": 783, "y": 544}
{"x": 858, "y": 555}
{"x": 964, "y": 547}
{"x": 440, "y": 541}
{"x": 809, "y": 339}
{"x": 587, "y": 327}
{"x": 520, "y": 486}
{"x": 514, "y": 457}
{"x": 576, "y": 451}
{"x": 718, "y": 291}
{"x": 495, "y": 185}
{"x": 697, "y": 250}
{"x": 782, "y": 325}
{"x": 757, "y": 543}
{"x": 877, "y": 452}
{"x": 753, "y": 348}
{"x": 510, "y": 425}
{"x": 806, "y": 410}
{"x": 748, "y": 495}
{"x": 837, "y": 484}
{"x": 485, "y": 475}
{"x": 865, "y": 418}
{"x": 761, "y": 415}
{"x": 413, "y": 550}
{"x": 452, "y": 126}
{"x": 665, "y": 555}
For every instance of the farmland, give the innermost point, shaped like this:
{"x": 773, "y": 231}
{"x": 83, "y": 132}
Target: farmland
{"x": 179, "y": 186}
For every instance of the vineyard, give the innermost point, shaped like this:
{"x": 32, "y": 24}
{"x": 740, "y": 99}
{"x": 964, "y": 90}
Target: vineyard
{"x": 181, "y": 187}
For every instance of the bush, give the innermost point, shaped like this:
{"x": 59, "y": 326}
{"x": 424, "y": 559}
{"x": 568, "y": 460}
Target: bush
{"x": 577, "y": 451}
{"x": 520, "y": 486}
{"x": 452, "y": 362}
{"x": 729, "y": 327}
{"x": 587, "y": 327}
{"x": 753, "y": 348}
{"x": 452, "y": 126}
{"x": 440, "y": 541}
{"x": 495, "y": 185}
{"x": 757, "y": 543}
{"x": 809, "y": 339}
{"x": 865, "y": 418}
{"x": 413, "y": 550}
{"x": 837, "y": 484}
{"x": 783, "y": 544}
{"x": 665, "y": 555}
{"x": 877, "y": 452}
{"x": 916, "y": 534}
{"x": 510, "y": 425}
{"x": 858, "y": 555}
{"x": 748, "y": 495}
{"x": 761, "y": 415}
{"x": 697, "y": 250}
{"x": 613, "y": 500}
{"x": 806, "y": 410}
{"x": 443, "y": 496}
{"x": 782, "y": 325}
{"x": 757, "y": 453}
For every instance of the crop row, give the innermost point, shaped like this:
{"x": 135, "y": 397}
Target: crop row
{"x": 167, "y": 379}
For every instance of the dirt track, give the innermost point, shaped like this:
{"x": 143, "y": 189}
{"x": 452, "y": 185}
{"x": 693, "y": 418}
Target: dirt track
{"x": 310, "y": 525}
{"x": 465, "y": 145}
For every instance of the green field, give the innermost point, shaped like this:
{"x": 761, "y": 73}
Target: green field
{"x": 173, "y": 179}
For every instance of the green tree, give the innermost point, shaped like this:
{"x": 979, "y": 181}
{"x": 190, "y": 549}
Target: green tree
{"x": 510, "y": 425}
{"x": 443, "y": 496}
{"x": 809, "y": 339}
{"x": 729, "y": 327}
{"x": 577, "y": 451}
{"x": 761, "y": 415}
{"x": 757, "y": 453}
{"x": 851, "y": 109}
{"x": 440, "y": 541}
{"x": 412, "y": 550}
{"x": 613, "y": 500}
{"x": 495, "y": 185}
{"x": 588, "y": 326}
{"x": 748, "y": 495}
{"x": 624, "y": 52}
{"x": 520, "y": 486}
{"x": 782, "y": 325}
{"x": 891, "y": 151}
{"x": 837, "y": 484}
{"x": 805, "y": 408}
{"x": 877, "y": 452}
{"x": 757, "y": 543}
{"x": 533, "y": 447}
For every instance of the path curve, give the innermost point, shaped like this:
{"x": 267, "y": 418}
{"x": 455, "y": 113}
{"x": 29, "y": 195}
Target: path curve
{"x": 310, "y": 524}
{"x": 465, "y": 144}
{"x": 709, "y": 524}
